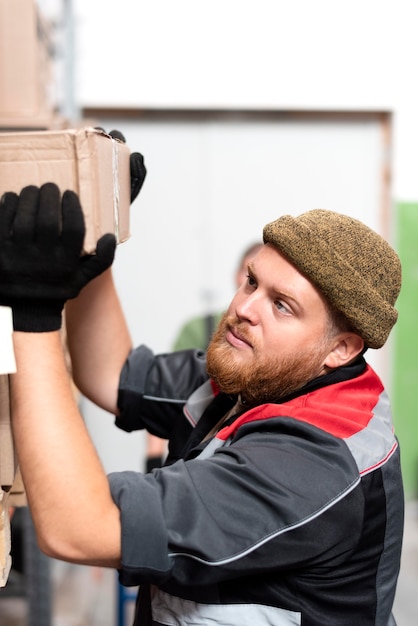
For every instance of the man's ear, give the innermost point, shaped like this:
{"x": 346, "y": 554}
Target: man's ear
{"x": 346, "y": 347}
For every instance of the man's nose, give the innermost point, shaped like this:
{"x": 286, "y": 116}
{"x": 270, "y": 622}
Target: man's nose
{"x": 248, "y": 308}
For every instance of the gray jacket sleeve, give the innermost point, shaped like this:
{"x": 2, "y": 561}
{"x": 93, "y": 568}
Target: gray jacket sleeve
{"x": 154, "y": 388}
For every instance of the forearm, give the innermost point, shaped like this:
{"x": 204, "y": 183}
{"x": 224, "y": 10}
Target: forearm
{"x": 98, "y": 340}
{"x": 67, "y": 488}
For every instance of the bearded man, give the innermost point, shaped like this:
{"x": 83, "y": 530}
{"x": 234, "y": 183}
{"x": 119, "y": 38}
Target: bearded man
{"x": 281, "y": 500}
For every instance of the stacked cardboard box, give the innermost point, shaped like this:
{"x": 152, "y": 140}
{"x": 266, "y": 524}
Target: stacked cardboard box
{"x": 8, "y": 468}
{"x": 8, "y": 461}
{"x": 27, "y": 94}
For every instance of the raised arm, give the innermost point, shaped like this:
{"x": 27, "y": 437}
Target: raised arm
{"x": 97, "y": 335}
{"x": 98, "y": 340}
{"x": 68, "y": 493}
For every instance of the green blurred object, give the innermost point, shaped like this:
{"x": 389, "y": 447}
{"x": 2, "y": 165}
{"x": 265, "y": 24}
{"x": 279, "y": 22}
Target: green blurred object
{"x": 196, "y": 333}
{"x": 405, "y": 361}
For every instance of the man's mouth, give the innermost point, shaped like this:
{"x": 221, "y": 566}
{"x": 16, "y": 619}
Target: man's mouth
{"x": 236, "y": 338}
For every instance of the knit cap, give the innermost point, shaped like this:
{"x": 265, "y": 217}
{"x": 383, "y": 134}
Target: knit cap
{"x": 351, "y": 265}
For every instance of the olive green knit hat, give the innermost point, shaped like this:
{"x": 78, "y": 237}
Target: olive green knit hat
{"x": 354, "y": 267}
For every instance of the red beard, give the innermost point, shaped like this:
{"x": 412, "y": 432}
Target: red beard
{"x": 263, "y": 378}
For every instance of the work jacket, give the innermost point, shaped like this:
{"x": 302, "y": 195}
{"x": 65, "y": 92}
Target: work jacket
{"x": 291, "y": 513}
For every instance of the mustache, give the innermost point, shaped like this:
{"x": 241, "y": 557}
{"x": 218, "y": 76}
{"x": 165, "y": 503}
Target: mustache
{"x": 237, "y": 327}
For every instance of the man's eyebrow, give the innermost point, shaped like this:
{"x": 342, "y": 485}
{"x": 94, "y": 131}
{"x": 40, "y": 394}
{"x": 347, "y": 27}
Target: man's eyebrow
{"x": 277, "y": 291}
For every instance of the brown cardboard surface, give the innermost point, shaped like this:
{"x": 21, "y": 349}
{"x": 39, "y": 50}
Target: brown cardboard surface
{"x": 87, "y": 161}
{"x": 5, "y": 544}
{"x": 17, "y": 493}
{"x": 26, "y": 80}
{"x": 8, "y": 462}
{"x": 39, "y": 122}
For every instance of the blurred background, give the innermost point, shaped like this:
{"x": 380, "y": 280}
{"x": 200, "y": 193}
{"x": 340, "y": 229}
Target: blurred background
{"x": 244, "y": 111}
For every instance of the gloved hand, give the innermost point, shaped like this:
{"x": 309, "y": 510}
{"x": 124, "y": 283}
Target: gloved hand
{"x": 41, "y": 240}
{"x": 137, "y": 167}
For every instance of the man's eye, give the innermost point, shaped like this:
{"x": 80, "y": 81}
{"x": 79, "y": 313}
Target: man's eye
{"x": 250, "y": 280}
{"x": 283, "y": 308}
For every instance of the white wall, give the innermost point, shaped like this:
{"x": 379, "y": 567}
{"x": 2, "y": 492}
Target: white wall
{"x": 317, "y": 54}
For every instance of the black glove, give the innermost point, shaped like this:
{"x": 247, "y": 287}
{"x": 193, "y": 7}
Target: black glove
{"x": 41, "y": 241}
{"x": 137, "y": 166}
{"x": 138, "y": 173}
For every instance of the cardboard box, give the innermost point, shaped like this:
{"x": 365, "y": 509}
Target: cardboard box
{"x": 87, "y": 161}
{"x": 8, "y": 459}
{"x": 27, "y": 94}
{"x": 5, "y": 543}
{"x": 17, "y": 494}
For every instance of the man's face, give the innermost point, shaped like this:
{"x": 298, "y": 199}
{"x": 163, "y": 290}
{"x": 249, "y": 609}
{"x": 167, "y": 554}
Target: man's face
{"x": 274, "y": 337}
